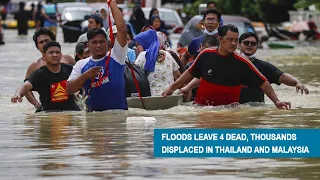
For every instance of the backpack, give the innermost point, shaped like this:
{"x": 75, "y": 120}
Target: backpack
{"x": 141, "y": 77}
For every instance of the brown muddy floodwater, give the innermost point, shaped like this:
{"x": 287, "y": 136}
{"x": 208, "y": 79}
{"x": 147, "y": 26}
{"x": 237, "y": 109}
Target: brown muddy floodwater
{"x": 80, "y": 145}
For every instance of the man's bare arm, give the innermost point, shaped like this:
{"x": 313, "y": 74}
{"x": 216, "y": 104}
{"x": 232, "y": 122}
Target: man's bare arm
{"x": 182, "y": 80}
{"x": 120, "y": 23}
{"x": 268, "y": 90}
{"x": 67, "y": 59}
{"x": 26, "y": 87}
{"x": 29, "y": 95}
{"x": 290, "y": 80}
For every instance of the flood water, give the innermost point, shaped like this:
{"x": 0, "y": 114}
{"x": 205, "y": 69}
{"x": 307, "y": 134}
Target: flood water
{"x": 101, "y": 145}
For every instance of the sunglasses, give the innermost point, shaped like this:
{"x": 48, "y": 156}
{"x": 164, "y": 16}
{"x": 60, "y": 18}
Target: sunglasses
{"x": 249, "y": 43}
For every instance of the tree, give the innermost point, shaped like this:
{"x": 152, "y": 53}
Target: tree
{"x": 306, "y": 3}
{"x": 273, "y": 11}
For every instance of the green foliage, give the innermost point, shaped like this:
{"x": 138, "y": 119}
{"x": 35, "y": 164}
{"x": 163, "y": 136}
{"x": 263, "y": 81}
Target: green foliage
{"x": 194, "y": 9}
{"x": 305, "y": 3}
{"x": 256, "y": 10}
{"x": 247, "y": 8}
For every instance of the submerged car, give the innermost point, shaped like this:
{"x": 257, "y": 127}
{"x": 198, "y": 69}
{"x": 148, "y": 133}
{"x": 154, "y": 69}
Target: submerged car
{"x": 72, "y": 19}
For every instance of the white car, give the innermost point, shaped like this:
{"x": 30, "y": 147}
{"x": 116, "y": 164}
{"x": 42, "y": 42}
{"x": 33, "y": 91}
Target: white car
{"x": 169, "y": 16}
{"x": 62, "y": 6}
{"x": 72, "y": 20}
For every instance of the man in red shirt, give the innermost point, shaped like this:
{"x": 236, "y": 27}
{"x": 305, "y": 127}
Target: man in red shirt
{"x": 222, "y": 73}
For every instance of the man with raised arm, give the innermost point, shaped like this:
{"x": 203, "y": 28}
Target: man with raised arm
{"x": 102, "y": 74}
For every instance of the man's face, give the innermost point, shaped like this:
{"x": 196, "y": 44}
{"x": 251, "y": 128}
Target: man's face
{"x": 249, "y": 46}
{"x": 211, "y": 22}
{"x": 42, "y": 40}
{"x": 53, "y": 55}
{"x": 93, "y": 24}
{"x": 229, "y": 42}
{"x": 98, "y": 45}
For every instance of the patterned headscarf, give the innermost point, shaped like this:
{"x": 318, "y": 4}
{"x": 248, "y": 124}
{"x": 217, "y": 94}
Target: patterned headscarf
{"x": 163, "y": 40}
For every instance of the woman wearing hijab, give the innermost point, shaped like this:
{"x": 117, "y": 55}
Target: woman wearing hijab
{"x": 155, "y": 21}
{"x": 155, "y": 12}
{"x": 105, "y": 22}
{"x": 159, "y": 65}
{"x": 192, "y": 30}
{"x": 138, "y": 20}
{"x": 22, "y": 16}
{"x": 164, "y": 45}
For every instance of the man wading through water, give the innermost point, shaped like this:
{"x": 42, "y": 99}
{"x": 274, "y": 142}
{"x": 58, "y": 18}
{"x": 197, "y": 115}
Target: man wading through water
{"x": 102, "y": 74}
{"x": 50, "y": 82}
{"x": 249, "y": 45}
{"x": 40, "y": 37}
{"x": 223, "y": 72}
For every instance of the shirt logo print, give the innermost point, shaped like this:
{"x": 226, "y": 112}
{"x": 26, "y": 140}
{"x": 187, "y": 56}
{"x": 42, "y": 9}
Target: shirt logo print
{"x": 101, "y": 73}
{"x": 58, "y": 91}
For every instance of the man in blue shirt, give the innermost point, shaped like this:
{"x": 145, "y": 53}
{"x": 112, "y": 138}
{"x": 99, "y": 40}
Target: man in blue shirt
{"x": 102, "y": 74}
{"x": 213, "y": 5}
{"x": 211, "y": 20}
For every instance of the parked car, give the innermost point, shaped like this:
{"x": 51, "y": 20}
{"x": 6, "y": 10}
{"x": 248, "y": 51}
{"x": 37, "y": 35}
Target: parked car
{"x": 169, "y": 16}
{"x": 243, "y": 24}
{"x": 97, "y": 6}
{"x": 71, "y": 26}
{"x": 62, "y": 6}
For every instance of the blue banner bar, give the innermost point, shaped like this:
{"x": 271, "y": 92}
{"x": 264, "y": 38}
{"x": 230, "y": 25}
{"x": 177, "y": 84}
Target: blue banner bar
{"x": 244, "y": 143}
